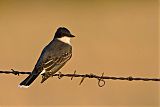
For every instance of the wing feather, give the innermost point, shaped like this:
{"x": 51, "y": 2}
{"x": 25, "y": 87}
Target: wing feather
{"x": 49, "y": 65}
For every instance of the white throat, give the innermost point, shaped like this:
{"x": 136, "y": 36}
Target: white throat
{"x": 65, "y": 40}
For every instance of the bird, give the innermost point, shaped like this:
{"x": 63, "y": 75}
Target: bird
{"x": 53, "y": 57}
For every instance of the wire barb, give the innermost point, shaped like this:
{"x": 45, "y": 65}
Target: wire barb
{"x": 15, "y": 72}
{"x": 101, "y": 79}
{"x": 73, "y": 75}
{"x": 60, "y": 75}
{"x": 82, "y": 79}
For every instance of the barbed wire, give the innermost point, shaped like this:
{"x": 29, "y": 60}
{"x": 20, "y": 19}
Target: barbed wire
{"x": 101, "y": 79}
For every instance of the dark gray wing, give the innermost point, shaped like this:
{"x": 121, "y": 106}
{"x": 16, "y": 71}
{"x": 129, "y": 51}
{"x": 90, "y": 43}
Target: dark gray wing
{"x": 54, "y": 64}
{"x": 54, "y": 61}
{"x": 53, "y": 57}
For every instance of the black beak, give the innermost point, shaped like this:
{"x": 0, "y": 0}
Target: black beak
{"x": 71, "y": 35}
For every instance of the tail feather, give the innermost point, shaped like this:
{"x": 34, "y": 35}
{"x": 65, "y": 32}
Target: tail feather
{"x": 28, "y": 81}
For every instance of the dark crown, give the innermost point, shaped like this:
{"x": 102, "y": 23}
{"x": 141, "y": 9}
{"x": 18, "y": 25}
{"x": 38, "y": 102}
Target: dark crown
{"x": 62, "y": 31}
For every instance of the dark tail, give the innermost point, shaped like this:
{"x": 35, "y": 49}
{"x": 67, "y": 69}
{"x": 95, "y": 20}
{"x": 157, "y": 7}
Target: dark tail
{"x": 28, "y": 80}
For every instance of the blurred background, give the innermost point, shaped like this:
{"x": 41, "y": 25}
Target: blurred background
{"x": 117, "y": 37}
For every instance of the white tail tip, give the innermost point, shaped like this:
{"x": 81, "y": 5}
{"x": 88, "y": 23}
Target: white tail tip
{"x": 22, "y": 86}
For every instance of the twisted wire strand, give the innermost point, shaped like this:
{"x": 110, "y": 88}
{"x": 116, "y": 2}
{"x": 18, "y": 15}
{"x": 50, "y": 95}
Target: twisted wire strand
{"x": 101, "y": 79}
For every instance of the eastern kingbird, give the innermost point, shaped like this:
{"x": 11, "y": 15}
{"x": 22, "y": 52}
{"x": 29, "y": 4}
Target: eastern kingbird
{"x": 53, "y": 57}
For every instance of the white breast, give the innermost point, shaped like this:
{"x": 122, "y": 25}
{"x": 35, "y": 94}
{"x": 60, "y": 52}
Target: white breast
{"x": 65, "y": 40}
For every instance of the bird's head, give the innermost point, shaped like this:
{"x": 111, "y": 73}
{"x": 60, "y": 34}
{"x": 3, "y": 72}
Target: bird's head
{"x": 63, "y": 34}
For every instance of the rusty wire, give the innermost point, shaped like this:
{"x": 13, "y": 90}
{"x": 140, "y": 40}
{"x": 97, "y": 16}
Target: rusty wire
{"x": 101, "y": 79}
